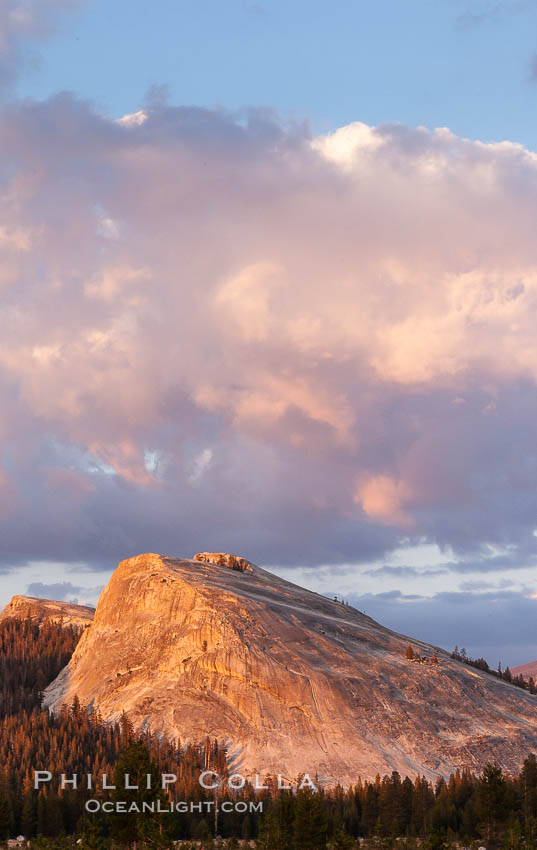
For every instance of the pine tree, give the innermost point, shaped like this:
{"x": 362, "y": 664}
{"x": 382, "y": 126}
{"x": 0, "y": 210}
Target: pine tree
{"x": 268, "y": 831}
{"x": 6, "y": 809}
{"x": 135, "y": 762}
{"x": 514, "y": 834}
{"x": 53, "y": 821}
{"x": 528, "y": 788}
{"x": 92, "y": 837}
{"x": 28, "y": 819}
{"x": 246, "y": 829}
{"x": 310, "y": 827}
{"x": 342, "y": 841}
{"x": 491, "y": 793}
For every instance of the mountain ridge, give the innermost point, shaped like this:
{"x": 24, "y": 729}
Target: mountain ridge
{"x": 292, "y": 681}
{"x": 525, "y": 670}
{"x": 40, "y": 610}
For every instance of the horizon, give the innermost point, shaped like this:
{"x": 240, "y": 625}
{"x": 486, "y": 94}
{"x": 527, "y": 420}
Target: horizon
{"x": 258, "y": 298}
{"x": 331, "y": 597}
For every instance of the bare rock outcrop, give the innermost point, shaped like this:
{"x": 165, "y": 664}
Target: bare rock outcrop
{"x": 42, "y": 610}
{"x": 222, "y": 559}
{"x": 528, "y": 670}
{"x": 291, "y": 681}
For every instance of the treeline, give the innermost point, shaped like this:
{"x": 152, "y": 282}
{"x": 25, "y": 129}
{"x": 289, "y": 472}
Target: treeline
{"x": 491, "y": 810}
{"x": 31, "y": 656}
{"x": 75, "y": 741}
{"x": 501, "y": 673}
{"x": 498, "y": 810}
{"x": 71, "y": 741}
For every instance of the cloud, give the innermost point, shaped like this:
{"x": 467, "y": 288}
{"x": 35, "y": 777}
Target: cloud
{"x": 482, "y": 11}
{"x": 483, "y": 585}
{"x": 22, "y": 23}
{"x": 387, "y": 571}
{"x": 221, "y": 332}
{"x": 496, "y": 625}
{"x": 58, "y": 590}
{"x": 493, "y": 559}
{"x": 383, "y": 498}
{"x": 397, "y": 594}
{"x": 479, "y": 14}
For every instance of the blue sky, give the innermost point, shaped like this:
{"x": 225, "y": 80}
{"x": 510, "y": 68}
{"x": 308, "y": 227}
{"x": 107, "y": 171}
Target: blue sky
{"x": 229, "y": 325}
{"x": 456, "y": 63}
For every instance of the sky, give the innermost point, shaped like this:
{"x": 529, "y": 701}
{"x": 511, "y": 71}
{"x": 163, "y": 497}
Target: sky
{"x": 268, "y": 285}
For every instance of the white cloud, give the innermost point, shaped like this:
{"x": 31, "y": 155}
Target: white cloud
{"x": 134, "y": 119}
{"x": 200, "y": 465}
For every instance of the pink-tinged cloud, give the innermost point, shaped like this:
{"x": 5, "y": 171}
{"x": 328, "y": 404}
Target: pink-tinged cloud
{"x": 228, "y": 332}
{"x": 384, "y": 499}
{"x": 70, "y": 482}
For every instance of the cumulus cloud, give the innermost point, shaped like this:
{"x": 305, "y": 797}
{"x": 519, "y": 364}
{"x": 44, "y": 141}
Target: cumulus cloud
{"x": 221, "y": 332}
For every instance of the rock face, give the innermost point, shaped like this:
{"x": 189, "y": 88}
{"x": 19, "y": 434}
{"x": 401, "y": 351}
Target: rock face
{"x": 222, "y": 559}
{"x": 291, "y": 681}
{"x": 41, "y": 610}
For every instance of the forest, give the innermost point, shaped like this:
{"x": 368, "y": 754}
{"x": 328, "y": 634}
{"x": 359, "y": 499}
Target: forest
{"x": 491, "y": 810}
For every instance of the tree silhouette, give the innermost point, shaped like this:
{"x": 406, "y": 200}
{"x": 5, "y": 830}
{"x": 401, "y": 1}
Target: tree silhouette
{"x": 135, "y": 763}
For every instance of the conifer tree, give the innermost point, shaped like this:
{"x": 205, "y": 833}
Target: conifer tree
{"x": 342, "y": 841}
{"x": 92, "y": 837}
{"x": 28, "y": 819}
{"x": 491, "y": 793}
{"x": 528, "y": 788}
{"x": 6, "y": 809}
{"x": 135, "y": 763}
{"x": 310, "y": 827}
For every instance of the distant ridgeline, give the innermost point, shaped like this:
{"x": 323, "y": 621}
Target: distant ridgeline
{"x": 497, "y": 809}
{"x": 505, "y": 674}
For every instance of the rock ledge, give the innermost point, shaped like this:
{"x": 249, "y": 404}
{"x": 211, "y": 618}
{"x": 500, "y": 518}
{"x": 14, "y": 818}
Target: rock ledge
{"x": 222, "y": 559}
